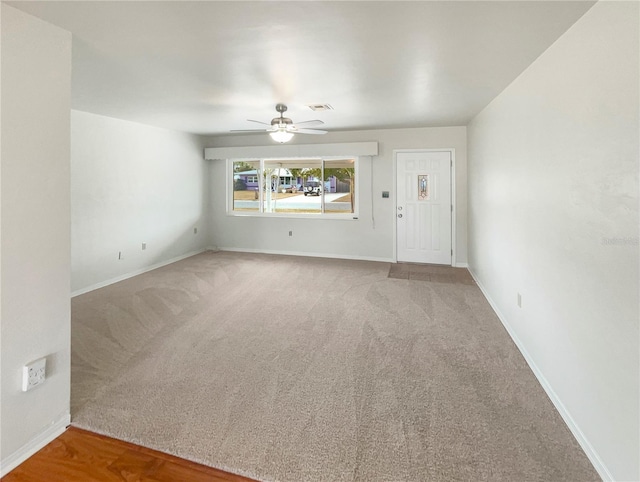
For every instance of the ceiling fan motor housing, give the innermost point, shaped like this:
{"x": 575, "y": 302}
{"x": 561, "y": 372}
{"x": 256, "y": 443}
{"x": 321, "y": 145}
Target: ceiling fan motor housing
{"x": 280, "y": 121}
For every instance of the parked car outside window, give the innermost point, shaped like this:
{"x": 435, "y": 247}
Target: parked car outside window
{"x": 312, "y": 188}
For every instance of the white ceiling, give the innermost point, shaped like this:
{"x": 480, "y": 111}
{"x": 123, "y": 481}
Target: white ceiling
{"x": 205, "y": 67}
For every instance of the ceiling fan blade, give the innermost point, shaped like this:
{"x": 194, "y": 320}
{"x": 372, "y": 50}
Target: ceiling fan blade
{"x": 309, "y": 131}
{"x": 258, "y": 122}
{"x": 249, "y": 130}
{"x": 310, "y": 123}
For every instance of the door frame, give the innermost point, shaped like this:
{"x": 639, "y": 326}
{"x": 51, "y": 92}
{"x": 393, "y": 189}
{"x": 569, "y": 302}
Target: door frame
{"x": 452, "y": 153}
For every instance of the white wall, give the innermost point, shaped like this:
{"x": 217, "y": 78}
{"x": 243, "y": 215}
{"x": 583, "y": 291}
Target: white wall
{"x": 360, "y": 238}
{"x": 36, "y": 85}
{"x": 133, "y": 184}
{"x": 553, "y": 215}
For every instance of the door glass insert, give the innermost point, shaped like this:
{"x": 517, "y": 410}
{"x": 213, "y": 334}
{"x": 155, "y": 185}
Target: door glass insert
{"x": 423, "y": 187}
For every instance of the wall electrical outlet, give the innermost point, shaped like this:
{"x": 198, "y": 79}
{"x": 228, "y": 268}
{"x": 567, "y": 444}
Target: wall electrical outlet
{"x": 290, "y": 233}
{"x": 144, "y": 246}
{"x": 34, "y": 374}
{"x": 195, "y": 230}
{"x": 519, "y": 300}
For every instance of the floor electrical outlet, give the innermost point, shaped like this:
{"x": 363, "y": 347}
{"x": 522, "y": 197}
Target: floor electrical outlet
{"x": 34, "y": 374}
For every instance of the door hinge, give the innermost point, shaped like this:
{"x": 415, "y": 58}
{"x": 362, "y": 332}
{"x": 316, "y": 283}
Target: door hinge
{"x": 452, "y": 208}
{"x": 451, "y": 251}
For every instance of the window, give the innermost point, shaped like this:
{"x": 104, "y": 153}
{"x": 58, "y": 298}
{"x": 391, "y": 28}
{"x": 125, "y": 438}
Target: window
{"x": 294, "y": 187}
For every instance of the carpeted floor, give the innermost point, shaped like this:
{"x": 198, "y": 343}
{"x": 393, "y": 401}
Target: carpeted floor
{"x": 306, "y": 369}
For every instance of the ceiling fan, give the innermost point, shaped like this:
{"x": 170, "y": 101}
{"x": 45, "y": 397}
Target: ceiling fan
{"x": 282, "y": 128}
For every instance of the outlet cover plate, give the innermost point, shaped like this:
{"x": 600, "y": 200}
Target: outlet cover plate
{"x": 34, "y": 374}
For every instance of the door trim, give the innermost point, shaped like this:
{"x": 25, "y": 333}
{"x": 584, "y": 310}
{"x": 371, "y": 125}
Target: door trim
{"x": 452, "y": 153}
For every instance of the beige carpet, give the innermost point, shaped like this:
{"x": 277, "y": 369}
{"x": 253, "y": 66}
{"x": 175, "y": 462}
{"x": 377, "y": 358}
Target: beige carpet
{"x": 306, "y": 369}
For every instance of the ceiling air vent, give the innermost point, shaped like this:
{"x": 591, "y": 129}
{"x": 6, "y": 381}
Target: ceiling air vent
{"x": 319, "y": 107}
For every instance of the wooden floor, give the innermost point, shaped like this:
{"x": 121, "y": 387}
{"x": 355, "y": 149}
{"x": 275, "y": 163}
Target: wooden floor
{"x": 78, "y": 455}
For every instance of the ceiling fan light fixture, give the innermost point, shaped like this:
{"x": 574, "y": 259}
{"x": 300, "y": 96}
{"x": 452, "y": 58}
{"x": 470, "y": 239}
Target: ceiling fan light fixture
{"x": 281, "y": 135}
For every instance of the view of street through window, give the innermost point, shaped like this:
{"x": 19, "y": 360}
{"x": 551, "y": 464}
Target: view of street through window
{"x": 297, "y": 187}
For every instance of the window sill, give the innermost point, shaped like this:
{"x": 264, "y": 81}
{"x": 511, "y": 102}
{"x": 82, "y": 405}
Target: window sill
{"x": 318, "y": 216}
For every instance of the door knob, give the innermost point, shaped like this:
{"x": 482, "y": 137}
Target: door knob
{"x": 399, "y": 208}
{"x": 399, "y": 215}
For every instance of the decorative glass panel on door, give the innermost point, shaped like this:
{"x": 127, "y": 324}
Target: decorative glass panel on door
{"x": 423, "y": 187}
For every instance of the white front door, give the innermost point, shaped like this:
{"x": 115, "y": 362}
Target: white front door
{"x": 423, "y": 207}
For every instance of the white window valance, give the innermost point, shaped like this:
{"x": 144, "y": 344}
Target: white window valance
{"x": 293, "y": 151}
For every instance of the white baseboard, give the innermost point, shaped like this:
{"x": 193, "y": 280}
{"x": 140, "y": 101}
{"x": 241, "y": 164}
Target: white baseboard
{"x": 462, "y": 265}
{"x": 43, "y": 438}
{"x": 312, "y": 255}
{"x": 125, "y": 276}
{"x": 590, "y": 452}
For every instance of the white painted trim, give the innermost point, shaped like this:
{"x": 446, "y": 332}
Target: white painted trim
{"x": 394, "y": 197}
{"x": 454, "y": 209}
{"x": 310, "y": 255}
{"x": 461, "y": 265}
{"x": 589, "y": 450}
{"x": 283, "y": 215}
{"x": 228, "y": 192}
{"x": 123, "y": 277}
{"x": 452, "y": 153}
{"x": 292, "y": 151}
{"x": 47, "y": 435}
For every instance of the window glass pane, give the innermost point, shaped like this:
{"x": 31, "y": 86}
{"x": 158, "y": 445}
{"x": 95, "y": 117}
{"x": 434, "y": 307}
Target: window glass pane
{"x": 245, "y": 186}
{"x": 292, "y": 186}
{"x": 340, "y": 184}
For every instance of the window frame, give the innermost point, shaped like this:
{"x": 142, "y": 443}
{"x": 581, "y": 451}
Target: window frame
{"x": 229, "y": 179}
